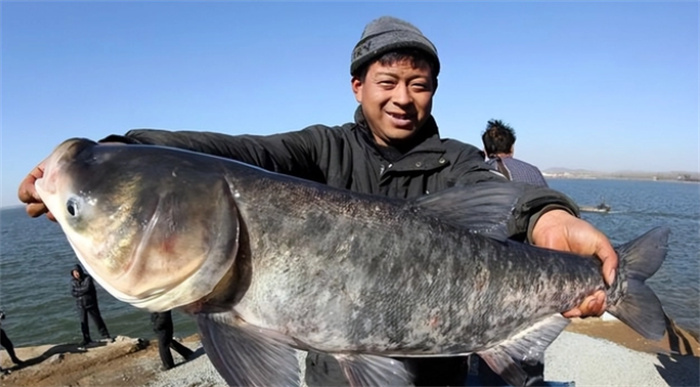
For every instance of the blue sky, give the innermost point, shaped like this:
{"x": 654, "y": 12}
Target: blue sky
{"x": 604, "y": 86}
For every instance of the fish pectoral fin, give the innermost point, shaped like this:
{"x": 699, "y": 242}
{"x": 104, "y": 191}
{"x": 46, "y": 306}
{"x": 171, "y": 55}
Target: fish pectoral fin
{"x": 245, "y": 355}
{"x": 526, "y": 347}
{"x": 372, "y": 370}
{"x": 501, "y": 363}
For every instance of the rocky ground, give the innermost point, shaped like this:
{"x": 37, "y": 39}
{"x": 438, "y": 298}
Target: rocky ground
{"x": 135, "y": 362}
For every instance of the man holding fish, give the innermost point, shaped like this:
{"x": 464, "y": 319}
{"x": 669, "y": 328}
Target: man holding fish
{"x": 392, "y": 149}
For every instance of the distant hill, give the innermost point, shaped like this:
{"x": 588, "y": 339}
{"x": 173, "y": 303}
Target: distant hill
{"x": 565, "y": 173}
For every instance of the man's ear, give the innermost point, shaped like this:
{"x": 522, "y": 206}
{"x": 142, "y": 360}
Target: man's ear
{"x": 356, "y": 85}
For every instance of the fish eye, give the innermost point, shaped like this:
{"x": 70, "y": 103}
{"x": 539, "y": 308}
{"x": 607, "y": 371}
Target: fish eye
{"x": 72, "y": 207}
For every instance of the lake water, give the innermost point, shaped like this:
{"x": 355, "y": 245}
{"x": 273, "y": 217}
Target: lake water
{"x": 36, "y": 259}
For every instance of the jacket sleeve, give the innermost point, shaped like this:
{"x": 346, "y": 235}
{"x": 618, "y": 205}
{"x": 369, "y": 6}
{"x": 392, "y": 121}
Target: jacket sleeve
{"x": 531, "y": 202}
{"x": 292, "y": 153}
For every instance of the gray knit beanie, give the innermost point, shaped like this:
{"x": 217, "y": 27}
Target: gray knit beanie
{"x": 386, "y": 34}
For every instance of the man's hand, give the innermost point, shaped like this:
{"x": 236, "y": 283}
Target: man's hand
{"x": 559, "y": 230}
{"x": 27, "y": 193}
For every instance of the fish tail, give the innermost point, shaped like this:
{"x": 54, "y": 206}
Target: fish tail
{"x": 635, "y": 303}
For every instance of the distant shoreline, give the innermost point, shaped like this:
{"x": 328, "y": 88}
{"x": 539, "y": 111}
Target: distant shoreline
{"x": 560, "y": 177}
{"x": 679, "y": 177}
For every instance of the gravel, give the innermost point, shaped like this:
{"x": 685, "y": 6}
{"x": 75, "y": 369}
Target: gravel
{"x": 590, "y": 361}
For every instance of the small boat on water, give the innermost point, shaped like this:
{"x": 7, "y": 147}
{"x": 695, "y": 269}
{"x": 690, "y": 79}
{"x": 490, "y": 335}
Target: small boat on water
{"x": 602, "y": 207}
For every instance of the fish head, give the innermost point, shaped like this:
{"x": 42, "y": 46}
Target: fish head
{"x": 156, "y": 227}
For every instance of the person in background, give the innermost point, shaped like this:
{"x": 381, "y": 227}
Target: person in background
{"x": 7, "y": 344}
{"x": 83, "y": 289}
{"x": 394, "y": 149}
{"x": 499, "y": 141}
{"x": 163, "y": 327}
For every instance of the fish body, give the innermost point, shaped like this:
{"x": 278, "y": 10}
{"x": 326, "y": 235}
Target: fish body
{"x": 269, "y": 263}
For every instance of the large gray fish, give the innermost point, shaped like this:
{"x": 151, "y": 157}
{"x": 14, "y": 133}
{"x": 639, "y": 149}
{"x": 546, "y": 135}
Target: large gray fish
{"x": 269, "y": 263}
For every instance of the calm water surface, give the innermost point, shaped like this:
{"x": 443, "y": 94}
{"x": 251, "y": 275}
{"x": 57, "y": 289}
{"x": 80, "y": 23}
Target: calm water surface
{"x": 36, "y": 259}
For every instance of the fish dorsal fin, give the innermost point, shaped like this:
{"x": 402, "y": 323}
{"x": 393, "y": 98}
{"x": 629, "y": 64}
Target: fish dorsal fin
{"x": 483, "y": 208}
{"x": 245, "y": 355}
{"x": 527, "y": 346}
{"x": 372, "y": 370}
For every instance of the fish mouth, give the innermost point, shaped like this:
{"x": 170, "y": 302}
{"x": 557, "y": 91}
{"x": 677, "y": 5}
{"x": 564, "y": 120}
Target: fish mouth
{"x": 46, "y": 185}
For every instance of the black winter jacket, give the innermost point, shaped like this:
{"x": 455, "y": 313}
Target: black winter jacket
{"x": 83, "y": 290}
{"x": 347, "y": 157}
{"x": 162, "y": 322}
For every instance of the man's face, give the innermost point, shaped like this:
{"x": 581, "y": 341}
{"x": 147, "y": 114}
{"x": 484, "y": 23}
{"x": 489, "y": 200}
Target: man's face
{"x": 396, "y": 99}
{"x": 76, "y": 275}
